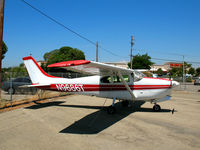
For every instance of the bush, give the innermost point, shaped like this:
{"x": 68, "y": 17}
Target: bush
{"x": 189, "y": 79}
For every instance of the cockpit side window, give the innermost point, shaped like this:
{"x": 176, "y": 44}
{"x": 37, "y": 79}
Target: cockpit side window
{"x": 126, "y": 78}
{"x": 106, "y": 79}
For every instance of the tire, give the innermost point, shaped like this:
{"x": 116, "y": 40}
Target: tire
{"x": 11, "y": 91}
{"x": 111, "y": 110}
{"x": 125, "y": 103}
{"x": 156, "y": 108}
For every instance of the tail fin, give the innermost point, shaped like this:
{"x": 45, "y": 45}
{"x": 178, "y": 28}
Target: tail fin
{"x": 35, "y": 72}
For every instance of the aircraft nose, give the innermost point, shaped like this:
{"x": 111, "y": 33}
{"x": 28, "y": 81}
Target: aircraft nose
{"x": 175, "y": 83}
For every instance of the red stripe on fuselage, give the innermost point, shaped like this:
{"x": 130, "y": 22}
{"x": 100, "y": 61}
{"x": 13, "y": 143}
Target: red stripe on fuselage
{"x": 90, "y": 87}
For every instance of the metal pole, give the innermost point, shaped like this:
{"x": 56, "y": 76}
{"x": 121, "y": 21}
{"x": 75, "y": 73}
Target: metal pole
{"x": 97, "y": 51}
{"x": 183, "y": 73}
{"x": 1, "y": 36}
{"x": 131, "y": 59}
{"x": 11, "y": 88}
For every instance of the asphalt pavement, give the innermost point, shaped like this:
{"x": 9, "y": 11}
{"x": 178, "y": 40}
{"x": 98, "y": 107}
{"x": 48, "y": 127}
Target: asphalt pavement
{"x": 81, "y": 122}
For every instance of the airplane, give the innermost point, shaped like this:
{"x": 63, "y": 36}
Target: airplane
{"x": 107, "y": 81}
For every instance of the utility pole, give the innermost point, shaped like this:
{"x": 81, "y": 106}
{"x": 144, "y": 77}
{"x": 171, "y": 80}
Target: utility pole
{"x": 131, "y": 59}
{"x": 1, "y": 36}
{"x": 97, "y": 51}
{"x": 183, "y": 73}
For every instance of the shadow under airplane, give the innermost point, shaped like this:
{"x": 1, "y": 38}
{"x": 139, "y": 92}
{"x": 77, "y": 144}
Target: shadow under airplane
{"x": 99, "y": 120}
{"x": 43, "y": 105}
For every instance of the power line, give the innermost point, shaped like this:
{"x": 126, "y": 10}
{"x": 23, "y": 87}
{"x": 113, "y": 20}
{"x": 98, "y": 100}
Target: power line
{"x": 67, "y": 28}
{"x": 192, "y": 62}
{"x": 167, "y": 59}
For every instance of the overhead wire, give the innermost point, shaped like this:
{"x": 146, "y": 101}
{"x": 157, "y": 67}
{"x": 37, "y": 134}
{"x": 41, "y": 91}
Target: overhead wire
{"x": 67, "y": 28}
{"x": 93, "y": 43}
{"x": 193, "y": 62}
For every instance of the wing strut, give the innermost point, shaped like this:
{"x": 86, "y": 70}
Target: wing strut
{"x": 126, "y": 85}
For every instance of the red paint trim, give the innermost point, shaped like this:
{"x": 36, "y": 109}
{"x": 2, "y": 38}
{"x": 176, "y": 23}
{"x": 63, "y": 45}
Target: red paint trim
{"x": 70, "y": 63}
{"x": 30, "y": 57}
{"x": 89, "y": 88}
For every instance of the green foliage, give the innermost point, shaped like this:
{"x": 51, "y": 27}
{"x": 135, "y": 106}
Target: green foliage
{"x": 191, "y": 71}
{"x": 14, "y": 72}
{"x": 186, "y": 67}
{"x": 4, "y": 49}
{"x": 189, "y": 79}
{"x": 141, "y": 62}
{"x": 178, "y": 72}
{"x": 63, "y": 54}
{"x": 44, "y": 67}
{"x": 175, "y": 72}
{"x": 48, "y": 54}
{"x": 197, "y": 71}
{"x": 160, "y": 72}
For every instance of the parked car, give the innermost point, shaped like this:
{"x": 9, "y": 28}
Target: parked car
{"x": 12, "y": 86}
{"x": 197, "y": 81}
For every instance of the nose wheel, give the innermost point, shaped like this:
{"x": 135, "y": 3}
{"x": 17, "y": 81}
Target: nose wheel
{"x": 156, "y": 108}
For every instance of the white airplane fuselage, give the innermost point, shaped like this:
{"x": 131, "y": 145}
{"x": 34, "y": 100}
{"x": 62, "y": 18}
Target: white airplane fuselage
{"x": 145, "y": 89}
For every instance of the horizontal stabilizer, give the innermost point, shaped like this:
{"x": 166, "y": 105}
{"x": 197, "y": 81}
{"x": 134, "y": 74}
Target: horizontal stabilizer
{"x": 34, "y": 85}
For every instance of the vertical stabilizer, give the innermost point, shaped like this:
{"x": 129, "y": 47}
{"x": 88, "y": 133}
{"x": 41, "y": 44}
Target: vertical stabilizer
{"x": 36, "y": 73}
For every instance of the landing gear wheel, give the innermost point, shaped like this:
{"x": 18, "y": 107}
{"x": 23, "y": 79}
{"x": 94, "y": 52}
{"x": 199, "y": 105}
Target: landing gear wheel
{"x": 125, "y": 103}
{"x": 156, "y": 108}
{"x": 111, "y": 110}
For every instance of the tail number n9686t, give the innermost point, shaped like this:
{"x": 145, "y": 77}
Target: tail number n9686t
{"x": 70, "y": 87}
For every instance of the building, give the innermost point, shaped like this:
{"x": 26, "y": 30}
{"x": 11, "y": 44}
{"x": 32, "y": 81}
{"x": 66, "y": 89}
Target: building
{"x": 40, "y": 62}
{"x": 156, "y": 67}
{"x": 166, "y": 67}
{"x": 174, "y": 65}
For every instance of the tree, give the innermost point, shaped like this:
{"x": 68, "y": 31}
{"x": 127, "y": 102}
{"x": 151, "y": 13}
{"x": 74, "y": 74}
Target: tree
{"x": 191, "y": 71}
{"x": 4, "y": 49}
{"x": 159, "y": 72}
{"x": 186, "y": 66}
{"x": 141, "y": 62}
{"x": 63, "y": 54}
{"x": 197, "y": 71}
{"x": 174, "y": 72}
{"x": 48, "y": 54}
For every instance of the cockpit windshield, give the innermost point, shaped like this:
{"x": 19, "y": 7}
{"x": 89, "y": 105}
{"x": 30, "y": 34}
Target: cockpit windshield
{"x": 137, "y": 76}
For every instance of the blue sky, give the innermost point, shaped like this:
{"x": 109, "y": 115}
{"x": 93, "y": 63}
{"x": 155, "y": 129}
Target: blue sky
{"x": 161, "y": 28}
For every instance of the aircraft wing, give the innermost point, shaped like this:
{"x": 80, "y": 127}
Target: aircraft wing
{"x": 91, "y": 67}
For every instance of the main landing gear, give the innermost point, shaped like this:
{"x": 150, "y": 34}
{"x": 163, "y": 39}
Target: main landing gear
{"x": 111, "y": 109}
{"x": 156, "y": 107}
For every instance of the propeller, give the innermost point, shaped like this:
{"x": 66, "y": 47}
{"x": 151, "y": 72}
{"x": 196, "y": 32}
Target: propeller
{"x": 170, "y": 80}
